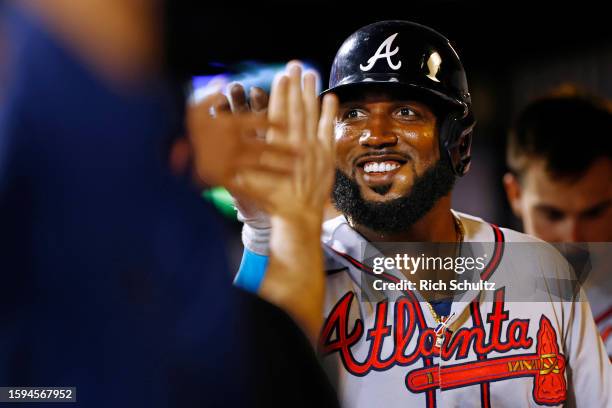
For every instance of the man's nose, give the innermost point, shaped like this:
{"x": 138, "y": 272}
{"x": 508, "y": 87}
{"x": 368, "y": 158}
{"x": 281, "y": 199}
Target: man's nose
{"x": 378, "y": 134}
{"x": 573, "y": 230}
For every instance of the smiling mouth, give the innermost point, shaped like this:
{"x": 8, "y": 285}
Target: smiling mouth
{"x": 381, "y": 164}
{"x": 378, "y": 170}
{"x": 380, "y": 167}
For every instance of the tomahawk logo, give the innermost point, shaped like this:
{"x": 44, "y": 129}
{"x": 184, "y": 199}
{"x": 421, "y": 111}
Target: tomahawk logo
{"x": 386, "y": 46}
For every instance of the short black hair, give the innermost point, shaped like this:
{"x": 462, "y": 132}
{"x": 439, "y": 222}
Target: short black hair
{"x": 569, "y": 132}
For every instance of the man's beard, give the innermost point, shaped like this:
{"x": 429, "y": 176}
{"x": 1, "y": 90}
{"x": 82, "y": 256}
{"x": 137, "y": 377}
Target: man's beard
{"x": 398, "y": 214}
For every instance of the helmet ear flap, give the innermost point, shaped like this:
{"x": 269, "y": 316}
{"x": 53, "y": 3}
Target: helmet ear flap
{"x": 456, "y": 137}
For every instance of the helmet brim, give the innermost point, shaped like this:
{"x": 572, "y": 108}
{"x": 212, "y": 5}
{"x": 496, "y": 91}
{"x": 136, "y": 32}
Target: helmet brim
{"x": 399, "y": 90}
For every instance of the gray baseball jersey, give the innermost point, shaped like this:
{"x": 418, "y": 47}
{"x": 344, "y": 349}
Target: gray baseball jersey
{"x": 497, "y": 353}
{"x": 496, "y": 350}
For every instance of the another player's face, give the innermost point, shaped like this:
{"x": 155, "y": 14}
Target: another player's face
{"x": 384, "y": 145}
{"x": 565, "y": 210}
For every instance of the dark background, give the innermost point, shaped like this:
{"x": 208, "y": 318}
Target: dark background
{"x": 512, "y": 52}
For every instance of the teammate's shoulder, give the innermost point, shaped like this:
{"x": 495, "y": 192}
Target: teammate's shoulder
{"x": 534, "y": 249}
{"x": 511, "y": 235}
{"x": 521, "y": 245}
{"x": 476, "y": 229}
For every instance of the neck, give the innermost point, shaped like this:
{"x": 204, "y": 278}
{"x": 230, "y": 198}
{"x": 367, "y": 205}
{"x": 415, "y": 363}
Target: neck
{"x": 438, "y": 225}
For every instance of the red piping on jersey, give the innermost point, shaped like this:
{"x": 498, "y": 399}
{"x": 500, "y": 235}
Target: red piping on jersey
{"x": 603, "y": 316}
{"x": 497, "y": 253}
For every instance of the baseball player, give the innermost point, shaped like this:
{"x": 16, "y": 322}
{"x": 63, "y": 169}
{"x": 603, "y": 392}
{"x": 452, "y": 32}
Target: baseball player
{"x": 402, "y": 135}
{"x": 561, "y": 190}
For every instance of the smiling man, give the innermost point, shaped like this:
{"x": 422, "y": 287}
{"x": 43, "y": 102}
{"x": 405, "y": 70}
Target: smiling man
{"x": 388, "y": 163}
{"x": 403, "y": 134}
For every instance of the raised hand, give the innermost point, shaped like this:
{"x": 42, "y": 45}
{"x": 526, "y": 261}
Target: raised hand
{"x": 300, "y": 125}
{"x": 295, "y": 279}
{"x": 257, "y": 222}
{"x": 223, "y": 152}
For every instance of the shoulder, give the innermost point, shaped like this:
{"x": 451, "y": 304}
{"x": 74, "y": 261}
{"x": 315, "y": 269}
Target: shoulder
{"x": 331, "y": 237}
{"x": 331, "y": 226}
{"x": 339, "y": 235}
{"x": 476, "y": 228}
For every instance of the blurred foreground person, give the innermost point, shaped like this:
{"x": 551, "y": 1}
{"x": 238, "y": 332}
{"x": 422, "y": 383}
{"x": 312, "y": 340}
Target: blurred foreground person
{"x": 560, "y": 185}
{"x": 114, "y": 275}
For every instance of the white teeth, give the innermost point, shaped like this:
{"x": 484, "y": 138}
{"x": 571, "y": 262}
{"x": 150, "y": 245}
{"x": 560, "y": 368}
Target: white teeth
{"x": 375, "y": 167}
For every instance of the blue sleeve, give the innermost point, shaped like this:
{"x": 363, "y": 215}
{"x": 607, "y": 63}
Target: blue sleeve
{"x": 252, "y": 271}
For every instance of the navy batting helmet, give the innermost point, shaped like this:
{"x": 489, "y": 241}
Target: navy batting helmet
{"x": 417, "y": 62}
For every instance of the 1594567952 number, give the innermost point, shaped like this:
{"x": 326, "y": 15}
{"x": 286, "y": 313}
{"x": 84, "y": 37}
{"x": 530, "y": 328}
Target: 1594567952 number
{"x": 37, "y": 394}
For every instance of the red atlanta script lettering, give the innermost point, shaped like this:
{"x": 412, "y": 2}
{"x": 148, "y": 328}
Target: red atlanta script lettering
{"x": 403, "y": 328}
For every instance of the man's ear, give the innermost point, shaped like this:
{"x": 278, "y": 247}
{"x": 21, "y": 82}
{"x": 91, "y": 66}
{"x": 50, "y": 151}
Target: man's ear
{"x": 179, "y": 157}
{"x": 513, "y": 192}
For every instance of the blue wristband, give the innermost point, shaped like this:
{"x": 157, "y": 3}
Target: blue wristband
{"x": 252, "y": 271}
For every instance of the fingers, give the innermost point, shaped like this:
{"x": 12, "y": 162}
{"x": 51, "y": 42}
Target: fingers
{"x": 285, "y": 151}
{"x": 257, "y": 154}
{"x": 296, "y": 116}
{"x": 216, "y": 101}
{"x": 256, "y": 186}
{"x": 277, "y": 108}
{"x": 259, "y": 104}
{"x": 221, "y": 104}
{"x": 296, "y": 130}
{"x": 259, "y": 99}
{"x": 211, "y": 104}
{"x": 270, "y": 171}
{"x": 249, "y": 123}
{"x": 326, "y": 154}
{"x": 311, "y": 105}
{"x": 325, "y": 131}
{"x": 207, "y": 130}
{"x": 237, "y": 99}
{"x": 231, "y": 124}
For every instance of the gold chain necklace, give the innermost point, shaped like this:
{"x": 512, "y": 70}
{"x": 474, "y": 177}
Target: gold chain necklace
{"x": 460, "y": 235}
{"x": 436, "y": 317}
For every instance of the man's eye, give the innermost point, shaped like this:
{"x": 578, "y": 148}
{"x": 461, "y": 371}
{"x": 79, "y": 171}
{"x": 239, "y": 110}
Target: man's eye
{"x": 353, "y": 114}
{"x": 405, "y": 113}
{"x": 595, "y": 212}
{"x": 554, "y": 215}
